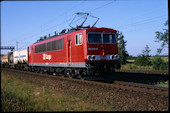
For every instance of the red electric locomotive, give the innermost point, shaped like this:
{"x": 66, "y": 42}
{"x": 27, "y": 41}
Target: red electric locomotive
{"x": 80, "y": 51}
{"x": 85, "y": 51}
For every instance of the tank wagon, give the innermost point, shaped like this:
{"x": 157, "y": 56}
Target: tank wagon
{"x": 20, "y": 59}
{"x": 16, "y": 59}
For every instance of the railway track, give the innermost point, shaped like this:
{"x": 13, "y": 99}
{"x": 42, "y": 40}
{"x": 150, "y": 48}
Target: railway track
{"x": 144, "y": 77}
{"x": 143, "y": 71}
{"x": 143, "y": 88}
{"x": 128, "y": 86}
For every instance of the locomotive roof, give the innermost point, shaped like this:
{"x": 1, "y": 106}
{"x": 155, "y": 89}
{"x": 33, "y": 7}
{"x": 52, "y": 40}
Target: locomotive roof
{"x": 63, "y": 32}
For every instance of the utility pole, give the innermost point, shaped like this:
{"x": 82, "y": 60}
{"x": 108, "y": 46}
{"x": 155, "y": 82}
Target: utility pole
{"x": 17, "y": 45}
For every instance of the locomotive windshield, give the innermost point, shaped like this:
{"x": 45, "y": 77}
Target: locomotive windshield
{"x": 94, "y": 38}
{"x": 101, "y": 38}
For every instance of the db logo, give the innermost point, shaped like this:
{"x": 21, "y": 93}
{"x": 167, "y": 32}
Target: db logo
{"x": 45, "y": 56}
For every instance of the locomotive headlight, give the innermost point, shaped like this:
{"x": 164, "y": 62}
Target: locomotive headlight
{"x": 116, "y": 57}
{"x": 93, "y": 57}
{"x": 111, "y": 57}
{"x": 89, "y": 57}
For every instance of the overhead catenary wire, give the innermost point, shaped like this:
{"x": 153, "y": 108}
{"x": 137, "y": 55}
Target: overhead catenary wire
{"x": 139, "y": 22}
{"x": 131, "y": 30}
{"x": 142, "y": 28}
{"x": 150, "y": 11}
{"x": 100, "y": 6}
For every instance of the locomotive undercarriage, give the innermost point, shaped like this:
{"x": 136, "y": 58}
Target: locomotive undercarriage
{"x": 91, "y": 69}
{"x": 101, "y": 68}
{"x": 59, "y": 71}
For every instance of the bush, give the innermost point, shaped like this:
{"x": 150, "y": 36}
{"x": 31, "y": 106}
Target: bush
{"x": 131, "y": 58}
{"x": 142, "y": 60}
{"x": 159, "y": 64}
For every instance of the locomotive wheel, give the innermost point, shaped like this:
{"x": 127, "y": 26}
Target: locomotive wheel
{"x": 68, "y": 73}
{"x": 36, "y": 70}
{"x": 42, "y": 71}
{"x": 73, "y": 73}
{"x": 71, "y": 76}
{"x": 82, "y": 78}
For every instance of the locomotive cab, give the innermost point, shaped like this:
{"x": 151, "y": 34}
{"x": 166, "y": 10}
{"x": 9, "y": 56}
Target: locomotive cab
{"x": 102, "y": 50}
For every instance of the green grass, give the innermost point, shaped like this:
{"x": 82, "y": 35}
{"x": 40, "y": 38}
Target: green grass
{"x": 85, "y": 95}
{"x": 20, "y": 95}
{"x": 132, "y": 60}
{"x": 135, "y": 67}
{"x": 166, "y": 59}
{"x": 162, "y": 84}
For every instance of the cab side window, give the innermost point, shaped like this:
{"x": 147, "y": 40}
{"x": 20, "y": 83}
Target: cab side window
{"x": 79, "y": 39}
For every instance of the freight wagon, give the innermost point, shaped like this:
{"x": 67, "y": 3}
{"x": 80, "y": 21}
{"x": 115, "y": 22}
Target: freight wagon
{"x": 16, "y": 59}
{"x": 4, "y": 60}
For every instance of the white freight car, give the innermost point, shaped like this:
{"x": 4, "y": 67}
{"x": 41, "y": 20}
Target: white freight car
{"x": 21, "y": 56}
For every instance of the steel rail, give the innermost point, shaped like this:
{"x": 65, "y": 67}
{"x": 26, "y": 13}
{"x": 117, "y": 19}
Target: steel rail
{"x": 142, "y": 85}
{"x": 143, "y": 71}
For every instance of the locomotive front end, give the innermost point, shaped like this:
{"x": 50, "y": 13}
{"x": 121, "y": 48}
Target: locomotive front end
{"x": 102, "y": 51}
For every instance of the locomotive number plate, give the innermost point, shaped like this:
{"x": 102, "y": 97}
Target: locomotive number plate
{"x": 103, "y": 57}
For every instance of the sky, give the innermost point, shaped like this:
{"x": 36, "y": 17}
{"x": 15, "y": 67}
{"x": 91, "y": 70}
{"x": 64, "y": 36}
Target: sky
{"x": 24, "y": 22}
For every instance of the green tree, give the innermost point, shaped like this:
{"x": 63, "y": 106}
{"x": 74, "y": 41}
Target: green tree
{"x": 143, "y": 60}
{"x": 146, "y": 51}
{"x": 123, "y": 55}
{"x": 159, "y": 64}
{"x": 163, "y": 37}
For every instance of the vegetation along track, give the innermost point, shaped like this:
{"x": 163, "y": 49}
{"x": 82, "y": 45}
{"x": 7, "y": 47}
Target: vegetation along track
{"x": 120, "y": 94}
